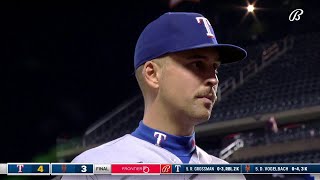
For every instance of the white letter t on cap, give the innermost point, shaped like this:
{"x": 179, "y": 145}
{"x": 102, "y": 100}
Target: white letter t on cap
{"x": 206, "y": 24}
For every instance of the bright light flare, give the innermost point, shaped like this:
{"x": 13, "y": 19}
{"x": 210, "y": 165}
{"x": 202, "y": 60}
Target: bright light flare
{"x": 250, "y": 8}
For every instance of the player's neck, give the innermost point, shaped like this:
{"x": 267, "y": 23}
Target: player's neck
{"x": 158, "y": 117}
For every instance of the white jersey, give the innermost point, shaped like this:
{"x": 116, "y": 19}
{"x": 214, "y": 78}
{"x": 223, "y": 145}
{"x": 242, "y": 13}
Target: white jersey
{"x": 129, "y": 149}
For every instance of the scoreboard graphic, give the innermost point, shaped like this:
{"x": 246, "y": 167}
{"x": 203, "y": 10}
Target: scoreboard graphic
{"x": 71, "y": 169}
{"x": 28, "y": 169}
{"x": 154, "y": 169}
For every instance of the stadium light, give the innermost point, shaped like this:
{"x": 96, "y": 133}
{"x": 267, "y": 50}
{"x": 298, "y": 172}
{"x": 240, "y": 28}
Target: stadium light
{"x": 250, "y": 8}
{"x": 250, "y": 11}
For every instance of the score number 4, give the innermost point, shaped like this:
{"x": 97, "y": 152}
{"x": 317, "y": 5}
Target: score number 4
{"x": 40, "y": 169}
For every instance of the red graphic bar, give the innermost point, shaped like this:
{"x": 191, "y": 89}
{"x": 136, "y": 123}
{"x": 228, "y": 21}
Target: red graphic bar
{"x": 135, "y": 169}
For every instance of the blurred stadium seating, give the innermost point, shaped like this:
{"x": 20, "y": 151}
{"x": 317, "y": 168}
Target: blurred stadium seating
{"x": 290, "y": 82}
{"x": 296, "y": 157}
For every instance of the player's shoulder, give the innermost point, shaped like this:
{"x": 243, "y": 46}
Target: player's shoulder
{"x": 106, "y": 152}
{"x": 210, "y": 159}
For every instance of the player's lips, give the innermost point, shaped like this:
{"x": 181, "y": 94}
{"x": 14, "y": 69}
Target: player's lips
{"x": 209, "y": 97}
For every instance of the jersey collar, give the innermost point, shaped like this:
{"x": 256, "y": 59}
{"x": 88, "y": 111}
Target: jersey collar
{"x": 178, "y": 145}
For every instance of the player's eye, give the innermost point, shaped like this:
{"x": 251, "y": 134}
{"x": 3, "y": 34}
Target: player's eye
{"x": 198, "y": 65}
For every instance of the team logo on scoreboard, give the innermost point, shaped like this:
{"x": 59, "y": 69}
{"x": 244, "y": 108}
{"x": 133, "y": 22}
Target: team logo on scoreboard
{"x": 64, "y": 168}
{"x": 166, "y": 168}
{"x": 247, "y": 168}
{"x": 20, "y": 167}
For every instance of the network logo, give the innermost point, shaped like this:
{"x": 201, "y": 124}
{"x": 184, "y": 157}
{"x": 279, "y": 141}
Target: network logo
{"x": 295, "y": 15}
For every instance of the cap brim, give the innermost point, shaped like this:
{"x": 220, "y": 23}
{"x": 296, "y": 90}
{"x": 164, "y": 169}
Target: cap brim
{"x": 228, "y": 53}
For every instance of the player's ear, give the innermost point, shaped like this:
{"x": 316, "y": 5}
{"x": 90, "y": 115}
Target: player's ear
{"x": 151, "y": 73}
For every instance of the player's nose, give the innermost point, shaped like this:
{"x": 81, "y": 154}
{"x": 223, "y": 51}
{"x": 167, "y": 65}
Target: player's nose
{"x": 212, "y": 80}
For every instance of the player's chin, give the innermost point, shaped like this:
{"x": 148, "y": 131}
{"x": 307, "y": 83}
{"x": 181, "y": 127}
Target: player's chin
{"x": 202, "y": 110}
{"x": 201, "y": 121}
{"x": 202, "y": 115}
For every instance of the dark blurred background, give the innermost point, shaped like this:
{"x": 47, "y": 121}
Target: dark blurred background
{"x": 65, "y": 65}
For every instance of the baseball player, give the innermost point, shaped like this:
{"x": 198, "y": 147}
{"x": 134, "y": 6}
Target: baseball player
{"x": 176, "y": 61}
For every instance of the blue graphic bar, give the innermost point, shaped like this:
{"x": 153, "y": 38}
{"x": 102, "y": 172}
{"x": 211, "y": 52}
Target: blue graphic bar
{"x": 71, "y": 169}
{"x": 28, "y": 168}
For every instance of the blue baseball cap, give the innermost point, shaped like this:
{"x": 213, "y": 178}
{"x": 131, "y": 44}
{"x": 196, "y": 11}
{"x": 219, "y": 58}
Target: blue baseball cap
{"x": 180, "y": 31}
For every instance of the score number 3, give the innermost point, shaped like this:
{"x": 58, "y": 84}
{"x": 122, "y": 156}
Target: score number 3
{"x": 83, "y": 168}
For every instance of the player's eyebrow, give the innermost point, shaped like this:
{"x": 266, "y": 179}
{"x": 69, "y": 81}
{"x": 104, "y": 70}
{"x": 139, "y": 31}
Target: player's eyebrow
{"x": 197, "y": 56}
{"x": 202, "y": 57}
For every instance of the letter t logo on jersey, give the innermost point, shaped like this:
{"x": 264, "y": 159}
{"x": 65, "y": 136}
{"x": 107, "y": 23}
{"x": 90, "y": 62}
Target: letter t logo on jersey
{"x": 159, "y": 137}
{"x": 207, "y": 25}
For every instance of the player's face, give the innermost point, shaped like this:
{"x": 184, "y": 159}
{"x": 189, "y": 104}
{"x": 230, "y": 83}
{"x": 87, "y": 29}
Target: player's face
{"x": 189, "y": 84}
